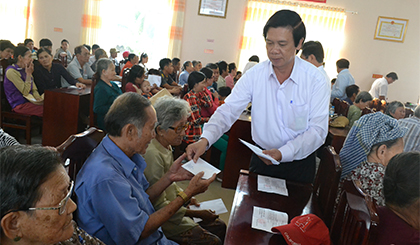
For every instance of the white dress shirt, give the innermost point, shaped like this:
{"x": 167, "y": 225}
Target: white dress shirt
{"x": 291, "y": 117}
{"x": 322, "y": 70}
{"x": 379, "y": 88}
{"x": 344, "y": 79}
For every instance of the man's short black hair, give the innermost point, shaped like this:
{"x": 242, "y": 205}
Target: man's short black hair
{"x": 175, "y": 61}
{"x": 224, "y": 91}
{"x": 315, "y": 48}
{"x": 222, "y": 66}
{"x": 87, "y": 46}
{"x": 392, "y": 75}
{"x": 4, "y": 44}
{"x": 352, "y": 89}
{"x": 343, "y": 64}
{"x": 64, "y": 40}
{"x": 287, "y": 18}
{"x": 95, "y": 46}
{"x": 212, "y": 66}
{"x": 131, "y": 56}
{"x": 45, "y": 42}
{"x": 27, "y": 40}
{"x": 164, "y": 62}
{"x": 254, "y": 58}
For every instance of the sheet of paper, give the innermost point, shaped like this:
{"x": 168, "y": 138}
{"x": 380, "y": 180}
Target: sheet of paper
{"x": 258, "y": 152}
{"x": 154, "y": 79}
{"x": 265, "y": 219}
{"x": 272, "y": 185}
{"x": 199, "y": 166}
{"x": 215, "y": 205}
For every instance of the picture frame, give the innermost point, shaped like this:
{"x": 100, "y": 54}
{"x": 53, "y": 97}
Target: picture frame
{"x": 213, "y": 8}
{"x": 391, "y": 29}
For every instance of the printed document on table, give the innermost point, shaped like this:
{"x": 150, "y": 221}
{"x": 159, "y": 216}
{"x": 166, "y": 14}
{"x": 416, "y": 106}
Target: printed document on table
{"x": 258, "y": 152}
{"x": 272, "y": 185}
{"x": 215, "y": 205}
{"x": 201, "y": 165}
{"x": 265, "y": 219}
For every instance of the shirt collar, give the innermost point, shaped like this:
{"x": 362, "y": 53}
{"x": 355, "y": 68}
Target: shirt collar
{"x": 293, "y": 76}
{"x": 123, "y": 160}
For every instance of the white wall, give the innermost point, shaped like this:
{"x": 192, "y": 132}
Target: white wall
{"x": 65, "y": 14}
{"x": 367, "y": 56}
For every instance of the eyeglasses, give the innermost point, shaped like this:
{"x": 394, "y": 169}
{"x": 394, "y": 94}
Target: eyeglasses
{"x": 179, "y": 129}
{"x": 61, "y": 206}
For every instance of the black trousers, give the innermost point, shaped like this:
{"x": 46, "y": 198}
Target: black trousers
{"x": 299, "y": 170}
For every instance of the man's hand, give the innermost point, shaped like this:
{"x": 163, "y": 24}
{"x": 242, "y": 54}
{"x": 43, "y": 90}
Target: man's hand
{"x": 80, "y": 85}
{"x": 274, "y": 153}
{"x": 178, "y": 173}
{"x": 194, "y": 202}
{"x": 207, "y": 216}
{"x": 195, "y": 150}
{"x": 198, "y": 185}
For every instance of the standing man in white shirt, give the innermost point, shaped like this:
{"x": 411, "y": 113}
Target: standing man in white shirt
{"x": 344, "y": 79}
{"x": 313, "y": 52}
{"x": 379, "y": 87}
{"x": 289, "y": 105}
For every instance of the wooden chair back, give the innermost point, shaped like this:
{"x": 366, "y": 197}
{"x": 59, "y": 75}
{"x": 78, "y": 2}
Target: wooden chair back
{"x": 63, "y": 60}
{"x": 344, "y": 108}
{"x": 92, "y": 114}
{"x": 124, "y": 79}
{"x": 326, "y": 184}
{"x": 367, "y": 110}
{"x": 77, "y": 148}
{"x": 355, "y": 221}
{"x": 57, "y": 61}
{"x": 336, "y": 104}
{"x": 408, "y": 112}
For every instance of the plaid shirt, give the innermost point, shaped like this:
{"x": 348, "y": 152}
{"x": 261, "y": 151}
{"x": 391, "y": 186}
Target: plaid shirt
{"x": 195, "y": 120}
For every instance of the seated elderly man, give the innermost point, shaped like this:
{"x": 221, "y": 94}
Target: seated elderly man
{"x": 412, "y": 137}
{"x": 114, "y": 197}
{"x": 79, "y": 68}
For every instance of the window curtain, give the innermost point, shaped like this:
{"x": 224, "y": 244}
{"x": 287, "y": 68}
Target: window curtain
{"x": 91, "y": 22}
{"x": 19, "y": 12}
{"x": 323, "y": 23}
{"x": 176, "y": 30}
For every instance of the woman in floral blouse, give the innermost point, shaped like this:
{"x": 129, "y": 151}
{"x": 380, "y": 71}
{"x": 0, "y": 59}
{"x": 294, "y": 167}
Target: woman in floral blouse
{"x": 196, "y": 84}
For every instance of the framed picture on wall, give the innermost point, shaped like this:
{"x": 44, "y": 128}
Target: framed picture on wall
{"x": 214, "y": 8}
{"x": 391, "y": 29}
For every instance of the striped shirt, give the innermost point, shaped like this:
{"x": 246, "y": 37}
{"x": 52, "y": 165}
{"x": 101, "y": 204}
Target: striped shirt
{"x": 412, "y": 137}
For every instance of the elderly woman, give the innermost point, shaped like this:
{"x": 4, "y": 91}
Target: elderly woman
{"x": 105, "y": 91}
{"x": 36, "y": 207}
{"x": 399, "y": 220}
{"x": 395, "y": 109}
{"x": 373, "y": 140}
{"x": 19, "y": 87}
{"x": 361, "y": 102}
{"x": 187, "y": 68}
{"x": 48, "y": 75}
{"x": 172, "y": 117}
{"x": 196, "y": 84}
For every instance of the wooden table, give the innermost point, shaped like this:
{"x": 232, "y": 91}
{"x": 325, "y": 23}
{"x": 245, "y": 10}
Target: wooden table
{"x": 239, "y": 230}
{"x": 62, "y": 110}
{"x": 238, "y": 155}
{"x": 336, "y": 137}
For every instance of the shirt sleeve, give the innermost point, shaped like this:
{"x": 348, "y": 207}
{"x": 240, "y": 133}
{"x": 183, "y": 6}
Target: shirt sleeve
{"x": 74, "y": 71}
{"x": 66, "y": 75}
{"x": 121, "y": 213}
{"x": 310, "y": 140}
{"x": 23, "y": 86}
{"x": 339, "y": 88}
{"x": 383, "y": 89}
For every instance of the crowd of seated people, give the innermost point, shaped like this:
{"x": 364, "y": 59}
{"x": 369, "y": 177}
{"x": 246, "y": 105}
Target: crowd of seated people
{"x": 361, "y": 101}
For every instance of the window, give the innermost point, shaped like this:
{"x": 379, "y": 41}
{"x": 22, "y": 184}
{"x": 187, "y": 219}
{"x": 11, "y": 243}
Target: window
{"x": 133, "y": 25}
{"x": 17, "y": 12}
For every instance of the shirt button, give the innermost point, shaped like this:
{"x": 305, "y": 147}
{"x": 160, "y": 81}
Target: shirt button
{"x": 135, "y": 169}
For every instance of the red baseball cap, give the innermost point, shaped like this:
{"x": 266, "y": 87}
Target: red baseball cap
{"x": 307, "y": 229}
{"x": 126, "y": 53}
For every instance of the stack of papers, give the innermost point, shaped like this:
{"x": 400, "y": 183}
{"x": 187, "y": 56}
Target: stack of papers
{"x": 199, "y": 166}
